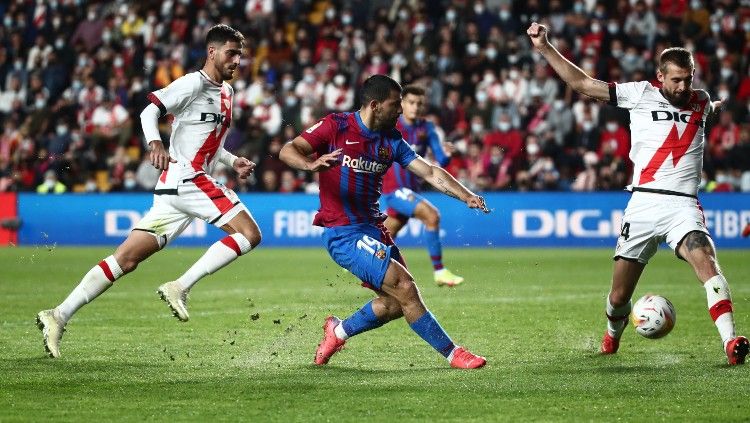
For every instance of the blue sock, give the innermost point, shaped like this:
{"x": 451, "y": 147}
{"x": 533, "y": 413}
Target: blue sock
{"x": 362, "y": 320}
{"x": 434, "y": 248}
{"x": 430, "y": 330}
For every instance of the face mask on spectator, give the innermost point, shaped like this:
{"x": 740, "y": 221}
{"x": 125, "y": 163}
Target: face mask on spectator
{"x": 491, "y": 53}
{"x": 106, "y": 37}
{"x": 330, "y": 13}
{"x": 558, "y": 104}
{"x": 376, "y": 60}
{"x": 450, "y": 15}
{"x": 8, "y": 21}
{"x": 481, "y": 96}
{"x": 148, "y": 63}
{"x": 478, "y": 8}
{"x": 721, "y": 53}
{"x": 419, "y": 28}
{"x": 339, "y": 80}
{"x": 291, "y": 101}
{"x": 611, "y": 126}
{"x": 746, "y": 26}
{"x": 726, "y": 73}
{"x": 503, "y": 126}
{"x": 287, "y": 83}
{"x": 613, "y": 28}
{"x": 269, "y": 100}
{"x": 596, "y": 27}
{"x": 91, "y": 15}
{"x": 504, "y": 14}
{"x": 696, "y": 5}
{"x": 715, "y": 27}
{"x": 309, "y": 78}
{"x": 346, "y": 19}
{"x": 77, "y": 84}
{"x": 131, "y": 184}
{"x": 477, "y": 128}
{"x": 587, "y": 125}
{"x": 39, "y": 103}
{"x": 136, "y": 87}
{"x": 61, "y": 130}
{"x": 403, "y": 14}
{"x": 617, "y": 53}
{"x": 724, "y": 94}
{"x": 59, "y": 43}
{"x": 91, "y": 186}
{"x": 513, "y": 74}
{"x": 18, "y": 65}
{"x": 118, "y": 62}
{"x": 419, "y": 56}
{"x": 50, "y": 183}
{"x": 578, "y": 8}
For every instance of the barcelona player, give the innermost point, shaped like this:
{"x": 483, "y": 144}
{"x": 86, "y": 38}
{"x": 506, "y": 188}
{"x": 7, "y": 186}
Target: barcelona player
{"x": 352, "y": 152}
{"x": 401, "y": 187}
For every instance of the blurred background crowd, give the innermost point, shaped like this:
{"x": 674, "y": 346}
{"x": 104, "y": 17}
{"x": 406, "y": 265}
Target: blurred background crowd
{"x": 74, "y": 76}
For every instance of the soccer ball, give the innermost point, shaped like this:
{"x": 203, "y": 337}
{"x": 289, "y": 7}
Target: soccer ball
{"x": 653, "y": 316}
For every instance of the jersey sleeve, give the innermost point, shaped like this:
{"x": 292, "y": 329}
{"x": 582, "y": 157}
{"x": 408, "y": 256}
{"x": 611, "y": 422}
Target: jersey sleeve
{"x": 175, "y": 96}
{"x": 320, "y": 135}
{"x": 627, "y": 95}
{"x": 402, "y": 153}
{"x": 436, "y": 145}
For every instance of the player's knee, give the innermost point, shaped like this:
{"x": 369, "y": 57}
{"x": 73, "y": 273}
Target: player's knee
{"x": 253, "y": 237}
{"x": 127, "y": 264}
{"x": 392, "y": 309}
{"x": 432, "y": 218}
{"x": 618, "y": 298}
{"x": 406, "y": 290}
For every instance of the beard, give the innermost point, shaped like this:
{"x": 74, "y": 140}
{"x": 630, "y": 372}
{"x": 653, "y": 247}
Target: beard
{"x": 680, "y": 100}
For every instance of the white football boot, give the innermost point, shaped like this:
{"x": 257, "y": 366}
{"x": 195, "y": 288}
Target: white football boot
{"x": 176, "y": 298}
{"x": 52, "y": 327}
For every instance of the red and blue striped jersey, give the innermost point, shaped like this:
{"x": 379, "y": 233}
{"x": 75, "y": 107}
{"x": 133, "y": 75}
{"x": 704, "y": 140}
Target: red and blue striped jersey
{"x": 420, "y": 136}
{"x": 350, "y": 190}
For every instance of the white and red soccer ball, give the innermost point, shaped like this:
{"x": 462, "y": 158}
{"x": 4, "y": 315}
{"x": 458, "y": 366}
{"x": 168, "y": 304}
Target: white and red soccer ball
{"x": 653, "y": 316}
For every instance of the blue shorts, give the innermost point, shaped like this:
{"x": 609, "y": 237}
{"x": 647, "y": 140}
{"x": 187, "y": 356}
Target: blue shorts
{"x": 401, "y": 203}
{"x": 363, "y": 249}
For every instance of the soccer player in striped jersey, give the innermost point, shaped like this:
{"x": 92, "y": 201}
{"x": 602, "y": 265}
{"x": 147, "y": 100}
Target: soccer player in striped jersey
{"x": 667, "y": 125}
{"x": 352, "y": 152}
{"x": 401, "y": 187}
{"x": 201, "y": 103}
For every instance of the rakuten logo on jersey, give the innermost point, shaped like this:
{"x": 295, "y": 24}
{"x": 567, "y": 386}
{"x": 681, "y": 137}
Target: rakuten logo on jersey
{"x": 362, "y": 165}
{"x": 659, "y": 115}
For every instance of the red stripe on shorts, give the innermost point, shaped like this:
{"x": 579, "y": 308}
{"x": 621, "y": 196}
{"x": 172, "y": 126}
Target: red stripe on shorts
{"x": 723, "y": 306}
{"x": 107, "y": 271}
{"x": 231, "y": 243}
{"x": 213, "y": 192}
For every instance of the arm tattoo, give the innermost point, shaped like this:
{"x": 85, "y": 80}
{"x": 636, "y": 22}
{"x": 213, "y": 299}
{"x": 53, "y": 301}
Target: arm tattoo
{"x": 696, "y": 240}
{"x": 445, "y": 188}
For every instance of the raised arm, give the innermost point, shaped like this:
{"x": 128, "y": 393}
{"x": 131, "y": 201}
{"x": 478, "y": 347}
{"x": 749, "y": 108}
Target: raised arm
{"x": 570, "y": 73}
{"x": 296, "y": 154}
{"x": 446, "y": 183}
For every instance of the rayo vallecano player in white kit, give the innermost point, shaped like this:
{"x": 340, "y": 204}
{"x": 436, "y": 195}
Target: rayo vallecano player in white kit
{"x": 201, "y": 103}
{"x": 667, "y": 132}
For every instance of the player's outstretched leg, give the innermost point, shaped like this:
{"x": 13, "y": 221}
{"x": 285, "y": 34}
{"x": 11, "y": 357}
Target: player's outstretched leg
{"x": 52, "y": 322}
{"x": 218, "y": 255}
{"x": 399, "y": 284}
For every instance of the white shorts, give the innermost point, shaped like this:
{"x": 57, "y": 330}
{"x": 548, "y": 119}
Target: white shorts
{"x": 201, "y": 197}
{"x": 651, "y": 219}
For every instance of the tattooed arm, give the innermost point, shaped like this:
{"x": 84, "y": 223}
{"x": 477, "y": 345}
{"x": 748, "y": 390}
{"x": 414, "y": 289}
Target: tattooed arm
{"x": 446, "y": 183}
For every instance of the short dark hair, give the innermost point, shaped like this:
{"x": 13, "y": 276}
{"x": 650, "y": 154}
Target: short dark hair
{"x": 222, "y": 33}
{"x": 413, "y": 90}
{"x": 678, "y": 56}
{"x": 378, "y": 88}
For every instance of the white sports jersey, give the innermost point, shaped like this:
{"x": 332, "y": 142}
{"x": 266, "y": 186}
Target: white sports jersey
{"x": 202, "y": 110}
{"x": 666, "y": 142}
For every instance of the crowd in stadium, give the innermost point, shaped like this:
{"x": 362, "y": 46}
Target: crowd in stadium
{"x": 74, "y": 78}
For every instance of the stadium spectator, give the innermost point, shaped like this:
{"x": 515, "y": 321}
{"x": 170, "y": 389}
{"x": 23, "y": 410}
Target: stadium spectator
{"x": 51, "y": 184}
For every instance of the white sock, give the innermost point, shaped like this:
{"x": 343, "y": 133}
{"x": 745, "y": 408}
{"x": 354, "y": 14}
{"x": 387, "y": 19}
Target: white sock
{"x": 617, "y": 318}
{"x": 340, "y": 333}
{"x": 96, "y": 281}
{"x": 450, "y": 356}
{"x": 719, "y": 300}
{"x": 218, "y": 255}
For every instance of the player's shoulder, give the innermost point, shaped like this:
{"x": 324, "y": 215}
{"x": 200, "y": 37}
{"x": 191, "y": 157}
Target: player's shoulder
{"x": 192, "y": 80}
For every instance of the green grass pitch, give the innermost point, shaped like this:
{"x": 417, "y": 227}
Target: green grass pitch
{"x": 246, "y": 354}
